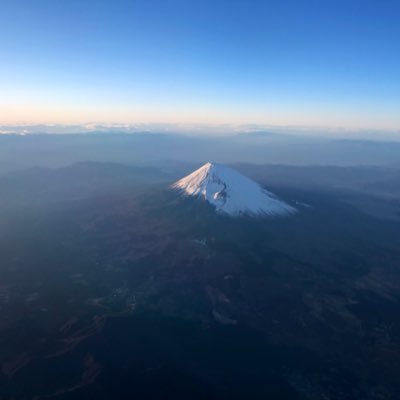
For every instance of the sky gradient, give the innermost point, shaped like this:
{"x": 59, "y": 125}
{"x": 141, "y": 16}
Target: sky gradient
{"x": 312, "y": 63}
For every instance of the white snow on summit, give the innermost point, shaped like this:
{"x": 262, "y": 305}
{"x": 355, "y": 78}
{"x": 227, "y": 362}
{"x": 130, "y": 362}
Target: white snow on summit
{"x": 231, "y": 192}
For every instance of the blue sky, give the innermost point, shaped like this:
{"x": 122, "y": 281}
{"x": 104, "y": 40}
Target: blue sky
{"x": 310, "y": 63}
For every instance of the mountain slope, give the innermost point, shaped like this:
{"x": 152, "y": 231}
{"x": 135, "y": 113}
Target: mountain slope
{"x": 230, "y": 192}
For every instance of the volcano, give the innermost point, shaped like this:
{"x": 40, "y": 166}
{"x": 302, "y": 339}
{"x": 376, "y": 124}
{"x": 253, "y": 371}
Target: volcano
{"x": 231, "y": 192}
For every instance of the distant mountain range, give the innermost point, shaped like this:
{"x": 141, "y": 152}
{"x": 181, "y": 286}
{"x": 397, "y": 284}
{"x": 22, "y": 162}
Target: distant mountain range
{"x": 47, "y": 150}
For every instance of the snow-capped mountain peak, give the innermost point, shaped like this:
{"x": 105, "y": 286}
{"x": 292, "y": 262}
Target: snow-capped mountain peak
{"x": 231, "y": 192}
